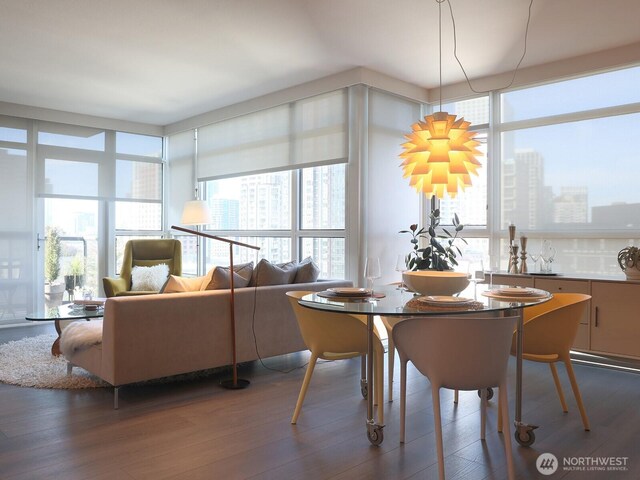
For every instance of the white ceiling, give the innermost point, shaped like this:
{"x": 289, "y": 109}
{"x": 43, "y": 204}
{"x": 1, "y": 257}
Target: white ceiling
{"x": 160, "y": 61}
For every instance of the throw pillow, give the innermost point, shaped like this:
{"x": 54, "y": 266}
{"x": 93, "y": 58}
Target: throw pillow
{"x": 176, "y": 284}
{"x": 307, "y": 272}
{"x": 220, "y": 276}
{"x": 149, "y": 279}
{"x": 268, "y": 273}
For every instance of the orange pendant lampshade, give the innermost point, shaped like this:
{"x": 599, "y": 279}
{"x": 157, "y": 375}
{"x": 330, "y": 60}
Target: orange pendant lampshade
{"x": 440, "y": 155}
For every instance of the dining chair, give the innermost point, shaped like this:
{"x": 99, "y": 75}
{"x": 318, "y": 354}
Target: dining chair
{"x": 549, "y": 332}
{"x": 389, "y": 323}
{"x": 335, "y": 336}
{"x": 463, "y": 353}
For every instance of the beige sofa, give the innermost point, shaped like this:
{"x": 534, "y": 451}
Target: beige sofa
{"x": 154, "y": 336}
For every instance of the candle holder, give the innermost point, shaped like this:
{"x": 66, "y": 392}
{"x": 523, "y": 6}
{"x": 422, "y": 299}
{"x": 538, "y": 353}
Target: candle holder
{"x": 523, "y": 255}
{"x": 514, "y": 259}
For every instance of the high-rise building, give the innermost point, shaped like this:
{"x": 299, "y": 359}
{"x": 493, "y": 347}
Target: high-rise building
{"x": 524, "y": 197}
{"x": 571, "y": 206}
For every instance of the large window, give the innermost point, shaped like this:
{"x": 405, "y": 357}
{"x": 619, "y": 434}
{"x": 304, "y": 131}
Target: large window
{"x": 95, "y": 184}
{"x": 262, "y": 205}
{"x": 567, "y": 167}
{"x": 275, "y": 178}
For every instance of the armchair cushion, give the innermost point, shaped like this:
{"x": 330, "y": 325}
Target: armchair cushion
{"x": 144, "y": 279}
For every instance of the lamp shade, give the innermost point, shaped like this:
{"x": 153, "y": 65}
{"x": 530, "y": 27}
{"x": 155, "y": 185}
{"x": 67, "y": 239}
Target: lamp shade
{"x": 439, "y": 155}
{"x": 196, "y": 212}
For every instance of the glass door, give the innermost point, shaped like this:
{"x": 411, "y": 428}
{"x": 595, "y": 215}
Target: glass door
{"x": 71, "y": 248}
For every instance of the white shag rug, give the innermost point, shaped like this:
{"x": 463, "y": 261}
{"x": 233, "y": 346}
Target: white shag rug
{"x": 29, "y": 363}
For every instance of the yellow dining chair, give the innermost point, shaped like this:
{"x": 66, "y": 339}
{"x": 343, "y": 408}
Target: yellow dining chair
{"x": 463, "y": 353}
{"x": 389, "y": 323}
{"x": 335, "y": 336}
{"x": 549, "y": 332}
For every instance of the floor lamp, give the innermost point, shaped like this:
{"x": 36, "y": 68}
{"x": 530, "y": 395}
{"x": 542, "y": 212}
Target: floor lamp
{"x": 235, "y": 383}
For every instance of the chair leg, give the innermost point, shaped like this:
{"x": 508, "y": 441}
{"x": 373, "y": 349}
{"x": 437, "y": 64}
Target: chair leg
{"x": 576, "y": 393}
{"x": 303, "y": 389}
{"x": 437, "y": 420}
{"x": 403, "y": 397}
{"x": 116, "y": 390}
{"x": 391, "y": 356}
{"x": 556, "y": 380}
{"x": 503, "y": 408}
{"x": 455, "y": 397}
{"x": 483, "y": 412}
{"x": 363, "y": 368}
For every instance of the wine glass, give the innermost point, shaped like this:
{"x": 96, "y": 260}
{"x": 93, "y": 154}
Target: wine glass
{"x": 547, "y": 254}
{"x": 476, "y": 275}
{"x": 372, "y": 271}
{"x": 401, "y": 267}
{"x": 535, "y": 257}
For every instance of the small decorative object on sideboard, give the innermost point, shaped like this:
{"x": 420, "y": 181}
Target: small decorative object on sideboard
{"x": 629, "y": 261}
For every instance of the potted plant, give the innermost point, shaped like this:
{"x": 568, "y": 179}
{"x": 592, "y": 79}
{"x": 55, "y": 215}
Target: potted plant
{"x": 441, "y": 252}
{"x": 429, "y": 268}
{"x": 629, "y": 261}
{"x": 75, "y": 274}
{"x": 53, "y": 290}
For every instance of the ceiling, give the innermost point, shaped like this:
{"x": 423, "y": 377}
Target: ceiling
{"x": 161, "y": 61}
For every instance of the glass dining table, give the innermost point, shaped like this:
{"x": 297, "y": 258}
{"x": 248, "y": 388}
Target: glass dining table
{"x": 495, "y": 300}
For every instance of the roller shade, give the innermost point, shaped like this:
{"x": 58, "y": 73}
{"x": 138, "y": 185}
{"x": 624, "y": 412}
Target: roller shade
{"x": 305, "y": 133}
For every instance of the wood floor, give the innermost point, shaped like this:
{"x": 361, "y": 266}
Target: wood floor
{"x": 197, "y": 430}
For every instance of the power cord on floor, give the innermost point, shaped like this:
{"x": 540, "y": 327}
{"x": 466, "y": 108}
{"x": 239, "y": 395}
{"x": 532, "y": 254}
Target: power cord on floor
{"x": 255, "y": 340}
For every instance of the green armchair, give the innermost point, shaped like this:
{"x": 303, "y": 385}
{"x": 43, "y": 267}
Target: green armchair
{"x": 144, "y": 253}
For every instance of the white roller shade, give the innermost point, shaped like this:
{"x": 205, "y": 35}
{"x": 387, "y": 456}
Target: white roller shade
{"x": 180, "y": 178}
{"x": 300, "y": 134}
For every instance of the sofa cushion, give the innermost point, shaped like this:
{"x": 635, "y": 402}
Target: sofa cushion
{"x": 267, "y": 273}
{"x": 149, "y": 278}
{"x": 177, "y": 284}
{"x": 220, "y": 276}
{"x": 307, "y": 272}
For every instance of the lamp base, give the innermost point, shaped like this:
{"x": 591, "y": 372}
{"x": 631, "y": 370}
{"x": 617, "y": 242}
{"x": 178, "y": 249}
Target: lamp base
{"x": 238, "y": 385}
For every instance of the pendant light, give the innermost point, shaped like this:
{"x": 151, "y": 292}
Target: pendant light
{"x": 440, "y": 154}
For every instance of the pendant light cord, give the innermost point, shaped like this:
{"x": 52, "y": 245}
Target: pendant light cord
{"x": 455, "y": 53}
{"x": 440, "y": 45}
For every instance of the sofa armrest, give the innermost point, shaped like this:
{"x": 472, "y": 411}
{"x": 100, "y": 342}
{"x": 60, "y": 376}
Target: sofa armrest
{"x": 113, "y": 286}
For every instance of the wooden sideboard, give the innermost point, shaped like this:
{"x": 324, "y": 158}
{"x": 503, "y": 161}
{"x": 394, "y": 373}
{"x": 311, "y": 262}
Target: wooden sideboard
{"x": 611, "y": 325}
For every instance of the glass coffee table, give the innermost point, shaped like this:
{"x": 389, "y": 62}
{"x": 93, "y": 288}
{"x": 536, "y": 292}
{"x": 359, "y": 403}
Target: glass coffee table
{"x": 61, "y": 313}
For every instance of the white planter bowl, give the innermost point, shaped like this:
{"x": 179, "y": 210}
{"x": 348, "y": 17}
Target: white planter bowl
{"x": 432, "y": 282}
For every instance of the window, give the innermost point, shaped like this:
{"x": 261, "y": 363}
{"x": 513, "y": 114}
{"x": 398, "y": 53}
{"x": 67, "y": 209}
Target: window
{"x": 576, "y": 95}
{"x": 275, "y": 178}
{"x": 568, "y": 178}
{"x": 251, "y": 202}
{"x": 471, "y": 204}
{"x": 323, "y": 197}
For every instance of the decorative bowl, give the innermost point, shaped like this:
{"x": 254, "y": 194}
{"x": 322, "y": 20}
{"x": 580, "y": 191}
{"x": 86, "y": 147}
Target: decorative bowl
{"x": 433, "y": 282}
